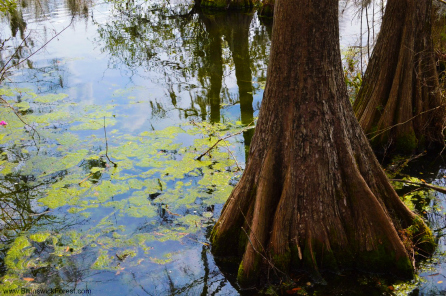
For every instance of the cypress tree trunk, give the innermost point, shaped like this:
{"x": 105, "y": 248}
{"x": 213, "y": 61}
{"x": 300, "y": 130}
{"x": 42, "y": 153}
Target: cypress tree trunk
{"x": 313, "y": 196}
{"x": 401, "y": 82}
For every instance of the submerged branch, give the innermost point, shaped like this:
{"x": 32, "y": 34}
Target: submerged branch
{"x": 233, "y": 157}
{"x": 85, "y": 179}
{"x": 4, "y": 70}
{"x": 439, "y": 189}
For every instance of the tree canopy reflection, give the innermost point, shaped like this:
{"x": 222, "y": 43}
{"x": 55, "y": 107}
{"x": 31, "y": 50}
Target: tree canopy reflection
{"x": 193, "y": 51}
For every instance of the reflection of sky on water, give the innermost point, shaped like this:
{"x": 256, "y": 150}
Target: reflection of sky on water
{"x": 93, "y": 79}
{"x": 89, "y": 67}
{"x": 350, "y": 22}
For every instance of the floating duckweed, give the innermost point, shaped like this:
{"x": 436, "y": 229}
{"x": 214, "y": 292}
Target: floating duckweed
{"x": 39, "y": 237}
{"x": 18, "y": 253}
{"x": 103, "y": 261}
{"x": 50, "y": 98}
{"x": 23, "y": 106}
{"x": 155, "y": 174}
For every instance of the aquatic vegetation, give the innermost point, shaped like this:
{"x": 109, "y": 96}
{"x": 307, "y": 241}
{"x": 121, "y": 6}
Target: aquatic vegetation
{"x": 158, "y": 193}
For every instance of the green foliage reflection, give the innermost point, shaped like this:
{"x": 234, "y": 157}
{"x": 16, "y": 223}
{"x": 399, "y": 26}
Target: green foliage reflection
{"x": 158, "y": 194}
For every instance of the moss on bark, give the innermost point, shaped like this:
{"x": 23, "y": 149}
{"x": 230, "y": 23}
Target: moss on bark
{"x": 406, "y": 143}
{"x": 247, "y": 279}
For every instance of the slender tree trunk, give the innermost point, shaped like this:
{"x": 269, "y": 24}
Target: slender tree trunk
{"x": 237, "y": 35}
{"x": 216, "y": 75}
{"x": 400, "y": 91}
{"x": 17, "y": 23}
{"x": 313, "y": 196}
{"x": 214, "y": 63}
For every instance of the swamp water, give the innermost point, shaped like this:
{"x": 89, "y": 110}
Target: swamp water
{"x": 151, "y": 86}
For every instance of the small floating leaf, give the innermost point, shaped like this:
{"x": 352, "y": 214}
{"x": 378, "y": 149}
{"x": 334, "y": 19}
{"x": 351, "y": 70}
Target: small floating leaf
{"x": 297, "y": 289}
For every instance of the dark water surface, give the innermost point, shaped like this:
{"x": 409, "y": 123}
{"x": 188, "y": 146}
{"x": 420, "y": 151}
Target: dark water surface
{"x": 167, "y": 81}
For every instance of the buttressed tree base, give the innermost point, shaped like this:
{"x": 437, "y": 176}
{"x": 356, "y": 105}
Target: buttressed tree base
{"x": 399, "y": 104}
{"x": 313, "y": 196}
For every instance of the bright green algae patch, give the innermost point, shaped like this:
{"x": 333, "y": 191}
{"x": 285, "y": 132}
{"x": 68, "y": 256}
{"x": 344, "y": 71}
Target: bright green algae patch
{"x": 157, "y": 178}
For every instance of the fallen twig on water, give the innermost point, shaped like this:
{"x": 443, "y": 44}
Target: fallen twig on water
{"x": 233, "y": 157}
{"x": 222, "y": 139}
{"x": 86, "y": 178}
{"x": 39, "y": 214}
{"x": 106, "y": 146}
{"x": 398, "y": 165}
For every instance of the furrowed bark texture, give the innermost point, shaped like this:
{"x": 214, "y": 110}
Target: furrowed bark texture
{"x": 313, "y": 195}
{"x": 401, "y": 82}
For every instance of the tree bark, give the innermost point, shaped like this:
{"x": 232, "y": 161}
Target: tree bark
{"x": 400, "y": 91}
{"x": 313, "y": 196}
